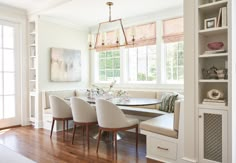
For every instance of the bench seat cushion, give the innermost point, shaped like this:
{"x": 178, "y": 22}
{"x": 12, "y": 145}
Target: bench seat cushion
{"x": 162, "y": 125}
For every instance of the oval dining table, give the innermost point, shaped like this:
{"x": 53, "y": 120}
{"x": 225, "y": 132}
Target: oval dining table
{"x": 130, "y": 101}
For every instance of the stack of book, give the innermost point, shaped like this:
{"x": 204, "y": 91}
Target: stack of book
{"x": 222, "y": 17}
{"x": 207, "y": 101}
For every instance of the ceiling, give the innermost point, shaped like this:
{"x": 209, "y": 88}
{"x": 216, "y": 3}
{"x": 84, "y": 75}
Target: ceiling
{"x": 91, "y": 12}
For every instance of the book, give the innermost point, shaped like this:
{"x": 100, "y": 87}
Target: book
{"x": 219, "y": 18}
{"x": 214, "y": 103}
{"x": 214, "y": 51}
{"x": 224, "y": 16}
{"x": 211, "y": 100}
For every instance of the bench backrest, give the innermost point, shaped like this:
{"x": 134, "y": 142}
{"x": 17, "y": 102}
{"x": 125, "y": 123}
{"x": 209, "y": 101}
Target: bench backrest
{"x": 61, "y": 93}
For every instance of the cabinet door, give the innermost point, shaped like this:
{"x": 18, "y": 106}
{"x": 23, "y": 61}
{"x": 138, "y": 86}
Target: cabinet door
{"x": 212, "y": 136}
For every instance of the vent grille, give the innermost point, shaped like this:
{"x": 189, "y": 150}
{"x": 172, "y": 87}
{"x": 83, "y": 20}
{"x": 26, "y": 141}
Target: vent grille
{"x": 213, "y": 137}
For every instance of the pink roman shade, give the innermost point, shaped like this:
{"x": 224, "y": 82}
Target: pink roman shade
{"x": 110, "y": 41}
{"x": 144, "y": 34}
{"x": 173, "y": 30}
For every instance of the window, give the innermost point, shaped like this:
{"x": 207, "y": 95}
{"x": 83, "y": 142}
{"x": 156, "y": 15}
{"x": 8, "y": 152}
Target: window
{"x": 142, "y": 63}
{"x": 109, "y": 65}
{"x": 173, "y": 50}
{"x": 174, "y": 62}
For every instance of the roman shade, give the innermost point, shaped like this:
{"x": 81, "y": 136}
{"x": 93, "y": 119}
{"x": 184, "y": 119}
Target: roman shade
{"x": 173, "y": 30}
{"x": 144, "y": 34}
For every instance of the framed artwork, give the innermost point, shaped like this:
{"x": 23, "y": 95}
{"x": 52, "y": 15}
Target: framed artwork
{"x": 65, "y": 65}
{"x": 210, "y": 23}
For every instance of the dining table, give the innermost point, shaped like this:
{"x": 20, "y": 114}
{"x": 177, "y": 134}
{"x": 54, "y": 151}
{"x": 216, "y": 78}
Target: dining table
{"x": 126, "y": 101}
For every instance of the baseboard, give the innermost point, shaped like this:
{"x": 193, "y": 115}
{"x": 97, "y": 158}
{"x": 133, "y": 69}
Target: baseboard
{"x": 187, "y": 160}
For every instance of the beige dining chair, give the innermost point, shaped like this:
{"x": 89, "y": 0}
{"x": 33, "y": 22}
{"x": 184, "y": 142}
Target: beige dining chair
{"x": 112, "y": 119}
{"x": 83, "y": 115}
{"x": 61, "y": 111}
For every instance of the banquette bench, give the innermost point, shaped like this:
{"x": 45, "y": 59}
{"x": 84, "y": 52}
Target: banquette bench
{"x": 164, "y": 131}
{"x": 141, "y": 112}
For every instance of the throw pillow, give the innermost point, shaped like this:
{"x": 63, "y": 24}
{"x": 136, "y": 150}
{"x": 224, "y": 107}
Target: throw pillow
{"x": 168, "y": 103}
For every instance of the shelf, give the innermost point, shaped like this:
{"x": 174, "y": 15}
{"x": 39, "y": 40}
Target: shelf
{"x": 213, "y": 55}
{"x": 32, "y": 93}
{"x": 217, "y": 107}
{"x": 33, "y": 33}
{"x": 32, "y": 56}
{"x": 32, "y": 45}
{"x": 212, "y": 6}
{"x": 213, "y": 81}
{"x": 213, "y": 31}
{"x": 32, "y": 80}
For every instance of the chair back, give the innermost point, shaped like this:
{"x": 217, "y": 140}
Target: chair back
{"x": 109, "y": 115}
{"x": 60, "y": 109}
{"x": 82, "y": 111}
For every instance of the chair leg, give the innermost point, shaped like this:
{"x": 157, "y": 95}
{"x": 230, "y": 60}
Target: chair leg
{"x": 98, "y": 141}
{"x": 67, "y": 125}
{"x": 73, "y": 134}
{"x": 115, "y": 139}
{"x": 87, "y": 133}
{"x": 83, "y": 130}
{"x": 52, "y": 128}
{"x": 136, "y": 139}
{"x": 63, "y": 132}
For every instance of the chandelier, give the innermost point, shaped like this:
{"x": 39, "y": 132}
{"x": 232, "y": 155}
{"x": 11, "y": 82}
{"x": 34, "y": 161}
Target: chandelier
{"x": 102, "y": 36}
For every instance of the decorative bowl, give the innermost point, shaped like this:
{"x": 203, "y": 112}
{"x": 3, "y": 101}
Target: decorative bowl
{"x": 215, "y": 45}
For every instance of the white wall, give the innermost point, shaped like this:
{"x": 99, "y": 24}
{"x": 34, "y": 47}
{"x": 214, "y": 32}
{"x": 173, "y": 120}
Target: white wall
{"x": 59, "y": 36}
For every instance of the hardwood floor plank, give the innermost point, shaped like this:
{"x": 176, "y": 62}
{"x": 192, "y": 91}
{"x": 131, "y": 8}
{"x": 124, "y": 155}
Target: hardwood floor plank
{"x": 37, "y": 145}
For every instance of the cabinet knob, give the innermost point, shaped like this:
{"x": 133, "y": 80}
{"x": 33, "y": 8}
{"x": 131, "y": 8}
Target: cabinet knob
{"x": 200, "y": 116}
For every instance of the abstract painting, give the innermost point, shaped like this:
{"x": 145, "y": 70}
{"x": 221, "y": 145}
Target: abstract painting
{"x": 65, "y": 65}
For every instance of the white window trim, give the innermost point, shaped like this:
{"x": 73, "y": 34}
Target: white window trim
{"x": 160, "y": 83}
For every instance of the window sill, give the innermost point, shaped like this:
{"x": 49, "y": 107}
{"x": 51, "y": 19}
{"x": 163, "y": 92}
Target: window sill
{"x": 143, "y": 86}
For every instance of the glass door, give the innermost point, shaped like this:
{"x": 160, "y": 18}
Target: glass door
{"x": 9, "y": 108}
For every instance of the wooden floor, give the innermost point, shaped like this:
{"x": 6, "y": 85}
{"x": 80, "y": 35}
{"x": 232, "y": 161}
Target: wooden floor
{"x": 36, "y": 145}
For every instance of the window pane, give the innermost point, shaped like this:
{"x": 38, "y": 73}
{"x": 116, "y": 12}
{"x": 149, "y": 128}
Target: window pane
{"x": 9, "y": 63}
{"x": 9, "y": 83}
{"x": 142, "y": 63}
{"x": 133, "y": 64}
{"x": 142, "y": 66}
{"x": 102, "y": 63}
{"x": 8, "y": 37}
{"x": 152, "y": 69}
{"x": 109, "y": 61}
{"x": 9, "y": 106}
{"x": 109, "y": 54}
{"x": 116, "y": 63}
{"x": 174, "y": 61}
{"x": 102, "y": 75}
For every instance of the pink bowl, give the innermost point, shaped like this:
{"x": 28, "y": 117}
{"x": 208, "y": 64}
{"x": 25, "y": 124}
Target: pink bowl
{"x": 215, "y": 45}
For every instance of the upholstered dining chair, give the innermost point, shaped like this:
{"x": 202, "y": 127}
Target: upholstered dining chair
{"x": 61, "y": 111}
{"x": 112, "y": 119}
{"x": 83, "y": 115}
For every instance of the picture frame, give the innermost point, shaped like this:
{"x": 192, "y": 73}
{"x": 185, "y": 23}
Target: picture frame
{"x": 210, "y": 23}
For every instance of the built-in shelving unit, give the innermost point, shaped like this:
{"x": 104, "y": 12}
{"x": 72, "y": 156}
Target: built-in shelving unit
{"x": 212, "y": 84}
{"x": 33, "y": 88}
